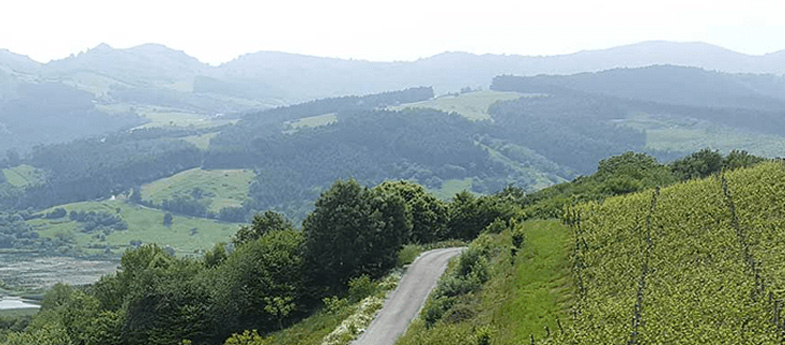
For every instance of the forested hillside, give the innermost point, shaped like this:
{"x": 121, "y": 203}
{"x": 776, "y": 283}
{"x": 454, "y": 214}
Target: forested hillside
{"x": 160, "y": 86}
{"x": 538, "y": 132}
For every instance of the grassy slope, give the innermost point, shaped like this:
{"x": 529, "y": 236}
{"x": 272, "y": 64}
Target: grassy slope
{"x": 223, "y": 188}
{"x": 24, "y": 175}
{"x": 663, "y": 133}
{"x": 451, "y": 187}
{"x": 164, "y": 117}
{"x": 519, "y": 300}
{"x": 144, "y": 224}
{"x": 472, "y": 105}
{"x": 313, "y": 121}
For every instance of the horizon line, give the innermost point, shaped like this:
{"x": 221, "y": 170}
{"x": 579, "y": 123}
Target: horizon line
{"x": 76, "y": 54}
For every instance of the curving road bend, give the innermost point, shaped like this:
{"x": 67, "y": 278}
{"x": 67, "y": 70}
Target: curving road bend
{"x": 403, "y": 304}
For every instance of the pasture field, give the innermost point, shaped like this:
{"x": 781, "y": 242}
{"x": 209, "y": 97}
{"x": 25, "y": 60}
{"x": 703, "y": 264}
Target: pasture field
{"x": 451, "y": 187}
{"x": 24, "y": 175}
{"x": 683, "y": 135}
{"x": 310, "y": 122}
{"x": 472, "y": 105}
{"x": 187, "y": 235}
{"x": 220, "y": 188}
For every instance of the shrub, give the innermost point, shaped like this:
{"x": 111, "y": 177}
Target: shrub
{"x": 360, "y": 288}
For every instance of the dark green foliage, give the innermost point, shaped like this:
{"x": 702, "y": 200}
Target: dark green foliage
{"x": 216, "y": 256}
{"x": 261, "y": 224}
{"x": 740, "y": 159}
{"x": 14, "y": 231}
{"x": 94, "y": 168}
{"x": 260, "y": 123}
{"x": 253, "y": 276}
{"x": 468, "y": 276}
{"x": 186, "y": 205}
{"x": 353, "y": 231}
{"x": 360, "y": 288}
{"x": 136, "y": 195}
{"x": 167, "y": 219}
{"x": 233, "y": 214}
{"x": 707, "y": 162}
{"x": 427, "y": 214}
{"x": 98, "y": 221}
{"x": 625, "y": 173}
{"x": 698, "y": 165}
{"x": 752, "y": 102}
{"x": 469, "y": 215}
{"x": 573, "y": 130}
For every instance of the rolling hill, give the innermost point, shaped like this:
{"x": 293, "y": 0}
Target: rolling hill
{"x": 156, "y": 84}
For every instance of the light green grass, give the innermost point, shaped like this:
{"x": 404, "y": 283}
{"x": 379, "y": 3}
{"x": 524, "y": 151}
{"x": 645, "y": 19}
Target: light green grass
{"x": 690, "y": 135}
{"x": 451, "y": 187}
{"x": 165, "y": 117}
{"x": 201, "y": 141}
{"x": 519, "y": 300}
{"x": 540, "y": 289}
{"x": 310, "y": 122}
{"x": 24, "y": 176}
{"x": 472, "y": 105}
{"x": 176, "y": 119}
{"x": 221, "y": 188}
{"x": 144, "y": 224}
{"x": 720, "y": 138}
{"x": 311, "y": 330}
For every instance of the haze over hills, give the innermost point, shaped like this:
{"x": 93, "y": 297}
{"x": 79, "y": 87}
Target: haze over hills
{"x": 155, "y": 84}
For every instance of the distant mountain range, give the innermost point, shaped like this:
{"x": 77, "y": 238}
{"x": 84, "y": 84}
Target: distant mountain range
{"x": 152, "y": 77}
{"x": 287, "y": 78}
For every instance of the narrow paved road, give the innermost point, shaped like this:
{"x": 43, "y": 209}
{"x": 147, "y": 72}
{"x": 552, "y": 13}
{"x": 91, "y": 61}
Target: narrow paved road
{"x": 405, "y": 302}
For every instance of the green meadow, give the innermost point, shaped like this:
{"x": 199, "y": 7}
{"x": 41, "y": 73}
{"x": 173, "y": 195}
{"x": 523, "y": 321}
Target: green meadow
{"x": 471, "y": 105}
{"x": 186, "y": 235}
{"x": 220, "y": 188}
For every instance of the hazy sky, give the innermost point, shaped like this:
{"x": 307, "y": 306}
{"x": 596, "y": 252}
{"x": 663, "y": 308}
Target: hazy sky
{"x": 218, "y": 31}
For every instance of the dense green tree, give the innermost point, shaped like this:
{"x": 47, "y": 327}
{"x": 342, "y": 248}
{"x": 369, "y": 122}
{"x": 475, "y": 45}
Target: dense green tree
{"x": 352, "y": 231}
{"x": 427, "y": 214}
{"x": 260, "y": 283}
{"x": 168, "y": 219}
{"x": 261, "y": 224}
{"x": 697, "y": 165}
{"x": 740, "y": 159}
{"x": 216, "y": 256}
{"x": 469, "y": 215}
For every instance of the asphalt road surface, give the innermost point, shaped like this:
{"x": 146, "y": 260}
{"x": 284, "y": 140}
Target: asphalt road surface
{"x": 405, "y": 302}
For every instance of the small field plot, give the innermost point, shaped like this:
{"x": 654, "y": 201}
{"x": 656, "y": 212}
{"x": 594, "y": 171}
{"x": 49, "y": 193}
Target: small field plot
{"x": 685, "y": 135}
{"x": 310, "y": 122}
{"x": 186, "y": 234}
{"x": 24, "y": 176}
{"x": 471, "y": 105}
{"x": 218, "y": 188}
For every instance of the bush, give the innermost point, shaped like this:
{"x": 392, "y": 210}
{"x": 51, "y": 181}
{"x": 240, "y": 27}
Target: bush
{"x": 360, "y": 288}
{"x": 334, "y": 304}
{"x": 408, "y": 254}
{"x": 496, "y": 227}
